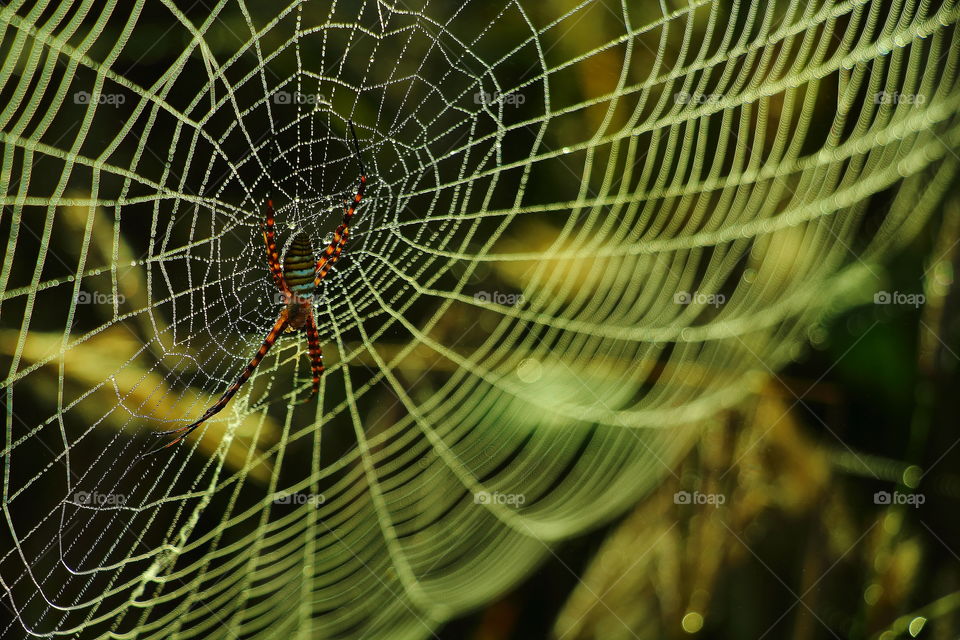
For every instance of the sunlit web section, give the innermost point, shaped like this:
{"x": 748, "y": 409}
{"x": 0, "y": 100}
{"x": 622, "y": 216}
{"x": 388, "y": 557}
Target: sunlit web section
{"x": 589, "y": 227}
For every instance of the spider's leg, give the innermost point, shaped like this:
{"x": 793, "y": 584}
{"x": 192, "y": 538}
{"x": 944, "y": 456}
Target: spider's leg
{"x": 331, "y": 253}
{"x": 183, "y": 432}
{"x": 316, "y": 353}
{"x": 316, "y": 356}
{"x": 273, "y": 255}
{"x": 342, "y": 233}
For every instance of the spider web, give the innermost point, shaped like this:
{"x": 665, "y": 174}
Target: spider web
{"x": 589, "y": 227}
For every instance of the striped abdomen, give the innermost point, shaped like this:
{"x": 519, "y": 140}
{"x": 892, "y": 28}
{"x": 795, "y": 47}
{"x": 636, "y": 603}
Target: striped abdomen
{"x": 299, "y": 266}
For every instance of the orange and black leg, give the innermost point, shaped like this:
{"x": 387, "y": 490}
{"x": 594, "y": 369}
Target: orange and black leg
{"x": 183, "y": 432}
{"x": 316, "y": 353}
{"x": 273, "y": 254}
{"x": 342, "y": 233}
{"x": 331, "y": 254}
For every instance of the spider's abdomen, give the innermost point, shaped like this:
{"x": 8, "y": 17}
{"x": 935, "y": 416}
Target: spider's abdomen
{"x": 299, "y": 266}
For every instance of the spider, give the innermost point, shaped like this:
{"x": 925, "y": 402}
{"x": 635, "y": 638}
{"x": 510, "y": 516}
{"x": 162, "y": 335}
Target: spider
{"x": 297, "y": 278}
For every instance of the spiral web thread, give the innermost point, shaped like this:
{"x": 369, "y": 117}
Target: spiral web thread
{"x": 589, "y": 227}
